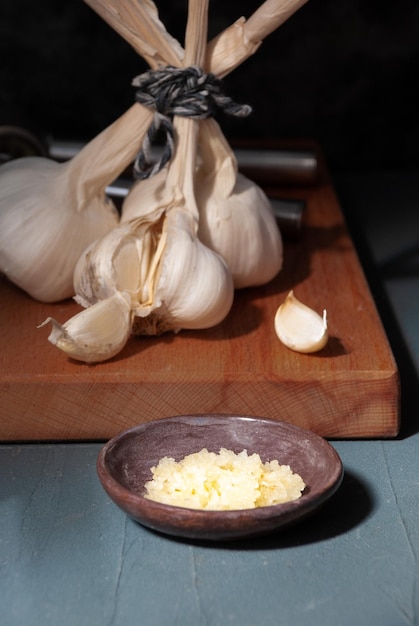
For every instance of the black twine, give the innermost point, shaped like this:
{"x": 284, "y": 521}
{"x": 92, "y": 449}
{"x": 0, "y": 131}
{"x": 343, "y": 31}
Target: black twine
{"x": 170, "y": 91}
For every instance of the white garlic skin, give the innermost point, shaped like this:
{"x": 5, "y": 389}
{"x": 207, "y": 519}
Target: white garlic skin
{"x": 243, "y": 229}
{"x": 299, "y": 327}
{"x": 95, "y": 334}
{"x": 41, "y": 233}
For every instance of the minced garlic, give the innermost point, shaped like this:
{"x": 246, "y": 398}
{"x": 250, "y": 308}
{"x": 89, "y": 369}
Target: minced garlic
{"x": 223, "y": 481}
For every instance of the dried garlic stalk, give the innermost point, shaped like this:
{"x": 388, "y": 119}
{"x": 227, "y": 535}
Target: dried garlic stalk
{"x": 137, "y": 21}
{"x": 243, "y": 38}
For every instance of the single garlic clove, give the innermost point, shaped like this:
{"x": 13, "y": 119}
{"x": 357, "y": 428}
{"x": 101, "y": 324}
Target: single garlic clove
{"x": 299, "y": 327}
{"x": 97, "y": 333}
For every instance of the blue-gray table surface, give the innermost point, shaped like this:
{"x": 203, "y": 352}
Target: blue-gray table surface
{"x": 70, "y": 557}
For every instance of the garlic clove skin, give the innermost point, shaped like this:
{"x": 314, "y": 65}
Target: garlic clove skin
{"x": 41, "y": 234}
{"x": 95, "y": 334}
{"x": 242, "y": 228}
{"x": 299, "y": 327}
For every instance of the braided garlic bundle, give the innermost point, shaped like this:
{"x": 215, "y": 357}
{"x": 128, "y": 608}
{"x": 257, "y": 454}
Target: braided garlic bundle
{"x": 164, "y": 267}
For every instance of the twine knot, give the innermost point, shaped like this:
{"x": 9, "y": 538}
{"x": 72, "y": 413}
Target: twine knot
{"x": 170, "y": 91}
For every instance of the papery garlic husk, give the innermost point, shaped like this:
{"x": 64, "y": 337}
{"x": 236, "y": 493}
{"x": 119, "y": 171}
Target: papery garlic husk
{"x": 299, "y": 327}
{"x": 174, "y": 281}
{"x": 41, "y": 235}
{"x": 95, "y": 334}
{"x": 144, "y": 196}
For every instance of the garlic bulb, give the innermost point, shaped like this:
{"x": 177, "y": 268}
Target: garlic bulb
{"x": 235, "y": 216}
{"x": 41, "y": 235}
{"x": 243, "y": 230}
{"x": 97, "y": 333}
{"x": 50, "y": 212}
{"x": 172, "y": 279}
{"x": 299, "y": 327}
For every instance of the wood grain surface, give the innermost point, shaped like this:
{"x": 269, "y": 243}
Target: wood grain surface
{"x": 348, "y": 390}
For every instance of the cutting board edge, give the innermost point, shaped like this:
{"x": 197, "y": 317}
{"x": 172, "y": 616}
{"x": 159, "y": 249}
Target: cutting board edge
{"x": 82, "y": 411}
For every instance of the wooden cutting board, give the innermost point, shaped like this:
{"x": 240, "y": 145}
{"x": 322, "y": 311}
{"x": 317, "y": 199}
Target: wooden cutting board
{"x": 349, "y": 390}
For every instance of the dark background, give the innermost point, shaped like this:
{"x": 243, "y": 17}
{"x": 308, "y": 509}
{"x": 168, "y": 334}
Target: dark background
{"x": 344, "y": 72}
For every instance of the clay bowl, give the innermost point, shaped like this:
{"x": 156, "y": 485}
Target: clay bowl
{"x": 124, "y": 464}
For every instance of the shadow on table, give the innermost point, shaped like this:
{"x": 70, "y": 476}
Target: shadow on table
{"x": 346, "y": 509}
{"x": 403, "y": 266}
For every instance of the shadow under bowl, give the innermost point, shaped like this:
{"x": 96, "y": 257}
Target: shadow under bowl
{"x": 124, "y": 466}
